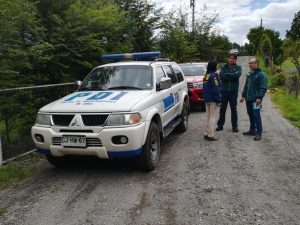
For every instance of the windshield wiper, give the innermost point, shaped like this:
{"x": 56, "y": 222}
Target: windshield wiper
{"x": 125, "y": 87}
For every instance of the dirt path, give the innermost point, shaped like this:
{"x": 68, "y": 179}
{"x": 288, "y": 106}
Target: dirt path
{"x": 231, "y": 181}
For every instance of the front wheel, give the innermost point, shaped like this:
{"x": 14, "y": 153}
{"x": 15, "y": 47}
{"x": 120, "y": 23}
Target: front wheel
{"x": 150, "y": 155}
{"x": 56, "y": 161}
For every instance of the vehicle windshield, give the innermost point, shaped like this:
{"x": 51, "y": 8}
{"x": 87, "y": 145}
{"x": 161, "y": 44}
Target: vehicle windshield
{"x": 118, "y": 78}
{"x": 193, "y": 69}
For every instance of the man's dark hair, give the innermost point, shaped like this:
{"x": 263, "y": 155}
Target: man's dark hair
{"x": 232, "y": 55}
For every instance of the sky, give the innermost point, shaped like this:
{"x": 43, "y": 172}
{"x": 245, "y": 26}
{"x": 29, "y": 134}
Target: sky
{"x": 237, "y": 17}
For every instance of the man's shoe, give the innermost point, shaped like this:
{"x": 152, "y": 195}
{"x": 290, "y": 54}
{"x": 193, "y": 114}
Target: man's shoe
{"x": 249, "y": 133}
{"x": 205, "y": 137}
{"x": 212, "y": 138}
{"x": 235, "y": 129}
{"x": 219, "y": 128}
{"x": 257, "y": 137}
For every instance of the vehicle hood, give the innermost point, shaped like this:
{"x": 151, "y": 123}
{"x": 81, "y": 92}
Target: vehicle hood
{"x": 97, "y": 101}
{"x": 194, "y": 79}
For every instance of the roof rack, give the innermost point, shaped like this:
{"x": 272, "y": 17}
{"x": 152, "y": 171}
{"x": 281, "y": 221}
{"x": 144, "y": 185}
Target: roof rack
{"x": 132, "y": 56}
{"x": 163, "y": 59}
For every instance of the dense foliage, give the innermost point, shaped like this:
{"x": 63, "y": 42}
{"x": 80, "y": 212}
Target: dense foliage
{"x": 294, "y": 32}
{"x": 49, "y": 41}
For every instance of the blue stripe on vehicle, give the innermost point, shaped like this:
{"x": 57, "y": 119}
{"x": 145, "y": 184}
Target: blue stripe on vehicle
{"x": 168, "y": 102}
{"x": 43, "y": 151}
{"x": 130, "y": 153}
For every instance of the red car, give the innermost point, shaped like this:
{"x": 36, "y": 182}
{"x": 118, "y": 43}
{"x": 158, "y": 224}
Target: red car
{"x": 194, "y": 73}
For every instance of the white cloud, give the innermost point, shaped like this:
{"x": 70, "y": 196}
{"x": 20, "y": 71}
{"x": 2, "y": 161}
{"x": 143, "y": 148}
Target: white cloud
{"x": 237, "y": 17}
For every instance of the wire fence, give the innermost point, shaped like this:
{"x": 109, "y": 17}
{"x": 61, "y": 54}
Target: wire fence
{"x": 18, "y": 109}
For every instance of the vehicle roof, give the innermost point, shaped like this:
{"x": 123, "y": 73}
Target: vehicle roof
{"x": 139, "y": 63}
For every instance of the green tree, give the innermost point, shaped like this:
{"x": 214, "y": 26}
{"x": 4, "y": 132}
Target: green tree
{"x": 266, "y": 49}
{"x": 174, "y": 38}
{"x": 294, "y": 32}
{"x": 255, "y": 36}
{"x": 219, "y": 47}
{"x": 291, "y": 48}
{"x": 19, "y": 31}
{"x": 77, "y": 33}
{"x": 143, "y": 18}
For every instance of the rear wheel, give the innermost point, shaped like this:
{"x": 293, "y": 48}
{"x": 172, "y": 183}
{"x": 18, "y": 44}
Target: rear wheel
{"x": 150, "y": 155}
{"x": 184, "y": 116}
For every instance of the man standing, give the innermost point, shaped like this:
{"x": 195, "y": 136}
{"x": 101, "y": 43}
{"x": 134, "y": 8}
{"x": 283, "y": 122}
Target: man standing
{"x": 229, "y": 75}
{"x": 254, "y": 90}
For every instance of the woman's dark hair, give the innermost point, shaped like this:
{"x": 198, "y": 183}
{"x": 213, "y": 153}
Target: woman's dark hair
{"x": 212, "y": 66}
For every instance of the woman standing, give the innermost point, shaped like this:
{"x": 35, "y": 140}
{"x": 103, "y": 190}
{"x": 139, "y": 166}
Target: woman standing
{"x": 211, "y": 86}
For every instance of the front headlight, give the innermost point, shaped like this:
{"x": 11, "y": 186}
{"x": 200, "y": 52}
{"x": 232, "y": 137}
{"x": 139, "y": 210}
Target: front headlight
{"x": 43, "y": 119}
{"x": 124, "y": 119}
{"x": 198, "y": 85}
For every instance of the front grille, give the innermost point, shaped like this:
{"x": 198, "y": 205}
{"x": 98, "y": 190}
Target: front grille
{"x": 62, "y": 120}
{"x": 75, "y": 131}
{"x": 90, "y": 142}
{"x": 94, "y": 120}
{"x": 56, "y": 140}
{"x": 190, "y": 85}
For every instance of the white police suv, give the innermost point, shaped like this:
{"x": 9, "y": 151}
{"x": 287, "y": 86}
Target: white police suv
{"x": 121, "y": 109}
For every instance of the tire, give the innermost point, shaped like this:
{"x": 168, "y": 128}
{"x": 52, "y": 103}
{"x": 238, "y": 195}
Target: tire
{"x": 148, "y": 159}
{"x": 184, "y": 116}
{"x": 56, "y": 161}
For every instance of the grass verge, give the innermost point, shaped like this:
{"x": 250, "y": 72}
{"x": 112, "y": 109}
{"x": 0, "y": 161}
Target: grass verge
{"x": 288, "y": 105}
{"x": 2, "y": 211}
{"x": 15, "y": 171}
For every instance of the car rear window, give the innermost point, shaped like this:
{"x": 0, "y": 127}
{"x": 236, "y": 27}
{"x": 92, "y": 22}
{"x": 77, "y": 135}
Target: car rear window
{"x": 193, "y": 69}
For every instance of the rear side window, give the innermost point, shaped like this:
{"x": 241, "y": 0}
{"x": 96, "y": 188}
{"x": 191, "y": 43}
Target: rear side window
{"x": 178, "y": 72}
{"x": 170, "y": 74}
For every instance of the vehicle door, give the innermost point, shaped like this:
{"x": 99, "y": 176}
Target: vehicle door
{"x": 171, "y": 103}
{"x": 181, "y": 85}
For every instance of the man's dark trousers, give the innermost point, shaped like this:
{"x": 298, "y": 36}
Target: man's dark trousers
{"x": 255, "y": 118}
{"x": 231, "y": 97}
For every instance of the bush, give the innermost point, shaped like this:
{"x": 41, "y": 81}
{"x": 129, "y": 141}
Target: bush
{"x": 277, "y": 79}
{"x": 276, "y": 69}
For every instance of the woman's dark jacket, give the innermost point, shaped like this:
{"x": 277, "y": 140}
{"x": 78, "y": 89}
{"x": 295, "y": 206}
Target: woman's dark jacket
{"x": 211, "y": 87}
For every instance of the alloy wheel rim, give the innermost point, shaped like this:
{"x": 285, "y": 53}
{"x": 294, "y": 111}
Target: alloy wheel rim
{"x": 153, "y": 146}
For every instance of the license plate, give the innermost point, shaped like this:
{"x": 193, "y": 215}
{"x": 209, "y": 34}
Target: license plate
{"x": 73, "y": 141}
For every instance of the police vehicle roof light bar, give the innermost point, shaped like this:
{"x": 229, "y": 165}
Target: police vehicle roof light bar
{"x": 134, "y": 56}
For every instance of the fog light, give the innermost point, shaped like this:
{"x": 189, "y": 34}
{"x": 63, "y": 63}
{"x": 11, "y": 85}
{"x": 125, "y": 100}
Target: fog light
{"x": 39, "y": 138}
{"x": 123, "y": 140}
{"x": 117, "y": 140}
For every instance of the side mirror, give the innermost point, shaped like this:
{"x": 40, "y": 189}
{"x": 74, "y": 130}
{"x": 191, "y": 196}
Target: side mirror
{"x": 78, "y": 82}
{"x": 164, "y": 83}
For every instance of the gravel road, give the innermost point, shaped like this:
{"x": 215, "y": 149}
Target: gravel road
{"x": 235, "y": 180}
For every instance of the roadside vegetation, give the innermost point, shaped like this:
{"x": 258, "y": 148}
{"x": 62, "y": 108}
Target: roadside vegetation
{"x": 289, "y": 106}
{"x": 2, "y": 211}
{"x": 287, "y": 63}
{"x": 17, "y": 170}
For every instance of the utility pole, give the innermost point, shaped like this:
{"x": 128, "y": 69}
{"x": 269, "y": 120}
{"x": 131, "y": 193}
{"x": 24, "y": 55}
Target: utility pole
{"x": 261, "y": 22}
{"x": 192, "y": 5}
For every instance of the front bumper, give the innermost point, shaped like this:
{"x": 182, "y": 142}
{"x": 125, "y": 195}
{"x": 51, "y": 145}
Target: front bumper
{"x": 104, "y": 148}
{"x": 196, "y": 95}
